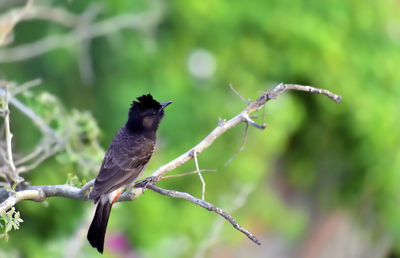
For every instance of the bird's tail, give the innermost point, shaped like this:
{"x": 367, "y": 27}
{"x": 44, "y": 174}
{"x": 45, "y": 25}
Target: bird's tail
{"x": 97, "y": 230}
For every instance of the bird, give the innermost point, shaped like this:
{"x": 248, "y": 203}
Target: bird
{"x": 125, "y": 160}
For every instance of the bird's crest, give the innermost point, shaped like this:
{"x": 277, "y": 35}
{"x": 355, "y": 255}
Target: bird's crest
{"x": 145, "y": 102}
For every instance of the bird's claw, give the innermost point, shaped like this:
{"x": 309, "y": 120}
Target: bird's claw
{"x": 145, "y": 182}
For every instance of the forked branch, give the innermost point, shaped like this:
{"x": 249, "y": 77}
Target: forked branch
{"x": 206, "y": 205}
{"x": 40, "y": 193}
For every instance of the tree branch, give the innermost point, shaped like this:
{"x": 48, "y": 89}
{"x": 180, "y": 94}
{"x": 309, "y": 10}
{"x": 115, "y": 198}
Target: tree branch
{"x": 9, "y": 21}
{"x": 203, "y": 189}
{"x": 37, "y": 120}
{"x": 216, "y": 227}
{"x": 243, "y": 116}
{"x": 206, "y": 205}
{"x": 52, "y": 142}
{"x": 12, "y": 175}
{"x": 40, "y": 193}
{"x": 281, "y": 88}
{"x": 51, "y": 13}
{"x": 140, "y": 21}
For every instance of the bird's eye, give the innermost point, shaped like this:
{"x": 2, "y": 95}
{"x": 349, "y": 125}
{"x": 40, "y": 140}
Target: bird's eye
{"x": 154, "y": 112}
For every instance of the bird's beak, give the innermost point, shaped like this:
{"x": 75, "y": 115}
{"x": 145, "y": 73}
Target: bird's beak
{"x": 164, "y": 104}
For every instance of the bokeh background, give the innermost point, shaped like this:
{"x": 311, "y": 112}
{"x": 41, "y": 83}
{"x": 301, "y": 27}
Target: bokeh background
{"x": 323, "y": 180}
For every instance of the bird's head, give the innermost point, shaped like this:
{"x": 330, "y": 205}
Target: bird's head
{"x": 146, "y": 113}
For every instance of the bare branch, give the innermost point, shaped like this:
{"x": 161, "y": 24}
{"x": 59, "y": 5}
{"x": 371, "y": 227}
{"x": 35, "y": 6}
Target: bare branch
{"x": 201, "y": 177}
{"x": 40, "y": 12}
{"x": 35, "y": 153}
{"x": 51, "y": 142}
{"x": 45, "y": 155}
{"x": 9, "y": 135}
{"x": 85, "y": 60}
{"x": 12, "y": 176}
{"x": 53, "y": 14}
{"x": 281, "y": 88}
{"x": 8, "y": 22}
{"x": 40, "y": 193}
{"x": 37, "y": 120}
{"x": 216, "y": 228}
{"x": 26, "y": 86}
{"x": 237, "y": 94}
{"x": 206, "y": 205}
{"x": 139, "y": 21}
{"x": 222, "y": 127}
{"x": 243, "y": 116}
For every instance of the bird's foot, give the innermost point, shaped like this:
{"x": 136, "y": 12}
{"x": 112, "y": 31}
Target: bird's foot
{"x": 145, "y": 182}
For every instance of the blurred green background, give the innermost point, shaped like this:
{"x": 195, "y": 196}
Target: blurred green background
{"x": 320, "y": 172}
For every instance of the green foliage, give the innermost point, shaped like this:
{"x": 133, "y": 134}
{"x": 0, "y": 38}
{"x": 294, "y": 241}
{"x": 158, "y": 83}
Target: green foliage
{"x": 77, "y": 130}
{"x": 82, "y": 148}
{"x": 10, "y": 220}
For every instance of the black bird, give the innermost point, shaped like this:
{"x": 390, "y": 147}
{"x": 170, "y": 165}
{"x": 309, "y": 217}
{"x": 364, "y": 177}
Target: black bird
{"x": 125, "y": 160}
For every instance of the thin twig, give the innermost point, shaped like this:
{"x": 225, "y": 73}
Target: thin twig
{"x": 201, "y": 177}
{"x": 216, "y": 228}
{"x": 57, "y": 147}
{"x": 189, "y": 173}
{"x": 53, "y": 144}
{"x": 37, "y": 120}
{"x": 9, "y": 135}
{"x": 84, "y": 58}
{"x": 243, "y": 116}
{"x": 26, "y": 86}
{"x": 241, "y": 146}
{"x": 237, "y": 94}
{"x": 281, "y": 88}
{"x": 206, "y": 205}
{"x": 36, "y": 152}
{"x": 40, "y": 193}
{"x": 139, "y": 21}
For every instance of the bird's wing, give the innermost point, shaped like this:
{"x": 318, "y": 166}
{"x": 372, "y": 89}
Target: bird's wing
{"x": 124, "y": 161}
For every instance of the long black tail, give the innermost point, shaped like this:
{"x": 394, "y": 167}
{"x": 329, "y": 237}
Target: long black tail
{"x": 97, "y": 230}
